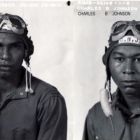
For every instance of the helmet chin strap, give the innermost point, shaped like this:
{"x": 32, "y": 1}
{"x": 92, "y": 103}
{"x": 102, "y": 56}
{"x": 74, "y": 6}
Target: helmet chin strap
{"x": 106, "y": 106}
{"x": 106, "y": 99}
{"x": 105, "y": 95}
{"x": 28, "y": 78}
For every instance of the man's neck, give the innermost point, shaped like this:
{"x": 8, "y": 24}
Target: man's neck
{"x": 132, "y": 101}
{"x": 8, "y": 83}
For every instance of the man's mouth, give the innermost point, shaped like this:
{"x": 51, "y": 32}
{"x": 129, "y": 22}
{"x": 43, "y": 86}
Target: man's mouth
{"x": 5, "y": 67}
{"x": 129, "y": 83}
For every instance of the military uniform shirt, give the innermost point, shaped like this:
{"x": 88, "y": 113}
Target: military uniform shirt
{"x": 38, "y": 116}
{"x": 123, "y": 125}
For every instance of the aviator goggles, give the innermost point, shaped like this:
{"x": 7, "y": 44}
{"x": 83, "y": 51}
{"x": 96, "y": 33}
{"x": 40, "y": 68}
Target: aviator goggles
{"x": 120, "y": 28}
{"x": 122, "y": 33}
{"x": 12, "y": 24}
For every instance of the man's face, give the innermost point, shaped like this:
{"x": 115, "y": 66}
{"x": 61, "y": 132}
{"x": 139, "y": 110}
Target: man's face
{"x": 124, "y": 65}
{"x": 11, "y": 54}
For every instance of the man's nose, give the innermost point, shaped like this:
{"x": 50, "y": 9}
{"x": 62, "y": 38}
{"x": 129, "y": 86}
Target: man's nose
{"x": 5, "y": 53}
{"x": 129, "y": 67}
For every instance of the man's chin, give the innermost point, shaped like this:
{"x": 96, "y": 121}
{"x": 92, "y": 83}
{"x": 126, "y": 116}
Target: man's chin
{"x": 131, "y": 91}
{"x": 5, "y": 74}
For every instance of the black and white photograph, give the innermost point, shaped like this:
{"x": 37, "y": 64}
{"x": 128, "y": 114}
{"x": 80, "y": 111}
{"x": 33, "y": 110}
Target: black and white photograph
{"x": 32, "y": 107}
{"x": 112, "y": 69}
{"x": 69, "y": 70}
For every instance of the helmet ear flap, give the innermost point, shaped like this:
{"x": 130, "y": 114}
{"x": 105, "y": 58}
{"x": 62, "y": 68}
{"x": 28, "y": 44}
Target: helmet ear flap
{"x": 106, "y": 49}
{"x": 105, "y": 56}
{"x": 26, "y": 55}
{"x": 30, "y": 46}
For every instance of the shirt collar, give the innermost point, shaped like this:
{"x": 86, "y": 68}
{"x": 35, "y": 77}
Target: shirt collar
{"x": 20, "y": 93}
{"x": 119, "y": 102}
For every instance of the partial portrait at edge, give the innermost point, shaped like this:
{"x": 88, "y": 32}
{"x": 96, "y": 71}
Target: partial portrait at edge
{"x": 30, "y": 109}
{"x": 117, "y": 115}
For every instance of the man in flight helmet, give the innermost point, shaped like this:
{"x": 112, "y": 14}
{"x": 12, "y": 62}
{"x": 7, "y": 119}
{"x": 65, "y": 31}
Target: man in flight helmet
{"x": 30, "y": 109}
{"x": 117, "y": 115}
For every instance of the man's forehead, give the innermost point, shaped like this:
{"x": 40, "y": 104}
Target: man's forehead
{"x": 127, "y": 50}
{"x": 10, "y": 38}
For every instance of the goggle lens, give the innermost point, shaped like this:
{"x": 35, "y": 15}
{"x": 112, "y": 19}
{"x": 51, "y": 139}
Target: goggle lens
{"x": 119, "y": 28}
{"x": 12, "y": 23}
{"x": 137, "y": 27}
{"x": 16, "y": 23}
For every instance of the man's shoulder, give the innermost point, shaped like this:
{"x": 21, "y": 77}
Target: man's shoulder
{"x": 41, "y": 87}
{"x": 96, "y": 113}
{"x": 95, "y": 109}
{"x": 97, "y": 121}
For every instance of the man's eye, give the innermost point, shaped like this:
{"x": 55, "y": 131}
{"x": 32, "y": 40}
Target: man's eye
{"x": 14, "y": 45}
{"x": 119, "y": 59}
{"x": 17, "y": 45}
{"x": 137, "y": 60}
{"x": 1, "y": 45}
